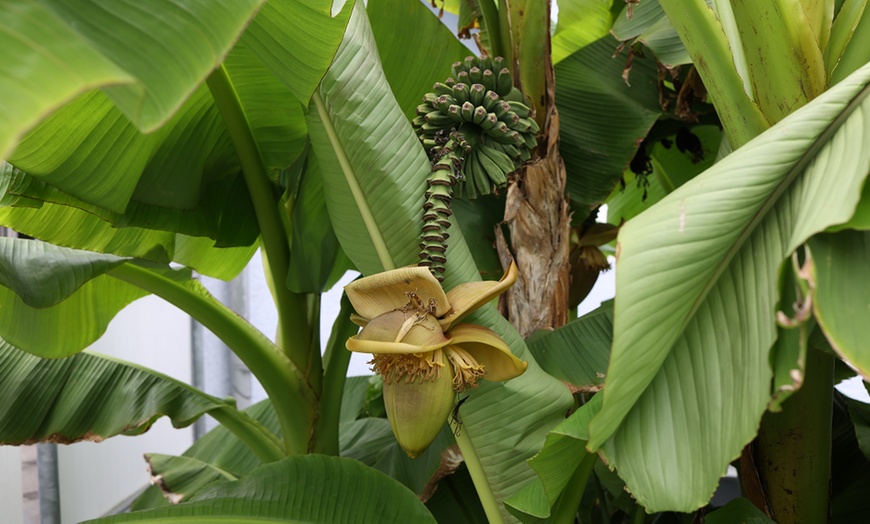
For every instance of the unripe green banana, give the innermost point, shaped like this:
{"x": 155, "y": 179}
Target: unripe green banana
{"x": 493, "y": 172}
{"x": 485, "y": 62}
{"x": 418, "y": 121}
{"x": 479, "y": 115}
{"x": 490, "y": 101}
{"x": 498, "y": 63}
{"x": 467, "y": 111}
{"x": 501, "y": 108}
{"x": 438, "y": 118}
{"x": 454, "y": 113}
{"x": 429, "y": 143}
{"x": 489, "y": 122}
{"x": 429, "y": 130}
{"x": 511, "y": 119}
{"x": 475, "y": 75}
{"x": 443, "y": 102}
{"x": 442, "y": 89}
{"x": 469, "y": 62}
{"x": 503, "y": 82}
{"x": 521, "y": 109}
{"x": 530, "y": 141}
{"x": 456, "y": 68}
{"x": 462, "y": 76}
{"x": 527, "y": 125}
{"x": 429, "y": 98}
{"x": 481, "y": 182}
{"x": 476, "y": 93}
{"x": 500, "y": 129}
{"x": 461, "y": 92}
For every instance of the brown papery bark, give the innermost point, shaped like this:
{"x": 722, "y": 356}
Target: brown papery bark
{"x": 537, "y": 218}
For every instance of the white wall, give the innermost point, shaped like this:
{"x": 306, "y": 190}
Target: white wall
{"x": 11, "y": 501}
{"x": 94, "y": 478}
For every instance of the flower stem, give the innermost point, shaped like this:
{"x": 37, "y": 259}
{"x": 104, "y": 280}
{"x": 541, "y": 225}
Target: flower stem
{"x": 478, "y": 475}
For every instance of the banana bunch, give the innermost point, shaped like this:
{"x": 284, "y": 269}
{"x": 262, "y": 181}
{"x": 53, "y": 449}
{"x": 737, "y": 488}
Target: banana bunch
{"x": 480, "y": 104}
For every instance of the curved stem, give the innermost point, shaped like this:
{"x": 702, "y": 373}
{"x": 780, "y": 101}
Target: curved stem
{"x": 292, "y": 310}
{"x": 478, "y": 475}
{"x": 336, "y": 361}
{"x": 291, "y": 395}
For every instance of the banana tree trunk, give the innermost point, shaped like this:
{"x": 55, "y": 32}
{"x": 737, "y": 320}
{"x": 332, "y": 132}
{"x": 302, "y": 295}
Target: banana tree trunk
{"x": 536, "y": 214}
{"x": 536, "y": 211}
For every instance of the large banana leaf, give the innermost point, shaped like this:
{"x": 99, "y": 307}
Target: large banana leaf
{"x": 55, "y": 301}
{"x": 415, "y": 48}
{"x": 184, "y": 177}
{"x": 374, "y": 173}
{"x": 69, "y": 226}
{"x": 603, "y": 118}
{"x": 89, "y": 397}
{"x": 689, "y": 376}
{"x": 147, "y": 60}
{"x": 306, "y": 488}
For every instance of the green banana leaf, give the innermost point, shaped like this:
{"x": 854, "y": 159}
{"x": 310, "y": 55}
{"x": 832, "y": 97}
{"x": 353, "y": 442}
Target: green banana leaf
{"x": 689, "y": 376}
{"x": 374, "y": 173}
{"x": 219, "y": 452}
{"x": 602, "y": 119}
{"x": 841, "y": 303}
{"x": 371, "y": 441}
{"x": 89, "y": 397}
{"x": 71, "y": 227}
{"x": 306, "y": 488}
{"x": 184, "y": 177}
{"x": 580, "y": 23}
{"x": 55, "y": 301}
{"x": 555, "y": 464}
{"x": 54, "y": 51}
{"x": 577, "y": 353}
{"x": 415, "y": 48}
{"x": 314, "y": 248}
{"x": 181, "y": 477}
{"x": 297, "y": 40}
{"x": 646, "y": 22}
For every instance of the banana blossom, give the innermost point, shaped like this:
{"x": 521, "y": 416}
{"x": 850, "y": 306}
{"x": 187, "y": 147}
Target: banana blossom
{"x": 422, "y": 351}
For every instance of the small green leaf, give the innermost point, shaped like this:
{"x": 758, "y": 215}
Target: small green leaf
{"x": 738, "y": 511}
{"x": 841, "y": 272}
{"x": 577, "y": 353}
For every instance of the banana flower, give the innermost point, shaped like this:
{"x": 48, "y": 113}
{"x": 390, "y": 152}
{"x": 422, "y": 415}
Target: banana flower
{"x": 422, "y": 350}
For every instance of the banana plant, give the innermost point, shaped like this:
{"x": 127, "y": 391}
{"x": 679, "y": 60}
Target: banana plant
{"x": 194, "y": 134}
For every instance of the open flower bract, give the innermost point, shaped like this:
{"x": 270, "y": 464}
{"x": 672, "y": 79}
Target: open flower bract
{"x": 414, "y": 330}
